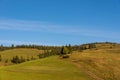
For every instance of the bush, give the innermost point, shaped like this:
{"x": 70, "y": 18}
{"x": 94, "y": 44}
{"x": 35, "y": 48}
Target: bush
{"x": 65, "y": 56}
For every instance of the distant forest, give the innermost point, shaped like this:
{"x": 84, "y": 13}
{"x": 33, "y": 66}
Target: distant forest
{"x": 56, "y": 49}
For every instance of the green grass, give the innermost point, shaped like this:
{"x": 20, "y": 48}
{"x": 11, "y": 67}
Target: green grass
{"x": 8, "y": 54}
{"x": 51, "y": 68}
{"x": 102, "y": 62}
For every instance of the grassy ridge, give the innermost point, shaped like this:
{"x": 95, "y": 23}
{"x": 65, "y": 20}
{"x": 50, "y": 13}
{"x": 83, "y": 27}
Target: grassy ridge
{"x": 8, "y": 54}
{"x": 103, "y": 61}
{"x": 51, "y": 68}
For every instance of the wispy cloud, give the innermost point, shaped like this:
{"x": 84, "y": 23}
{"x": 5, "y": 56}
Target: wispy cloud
{"x": 9, "y": 42}
{"x": 22, "y": 25}
{"x": 25, "y": 25}
{"x": 16, "y": 42}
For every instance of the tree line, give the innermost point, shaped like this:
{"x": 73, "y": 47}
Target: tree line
{"x": 55, "y": 48}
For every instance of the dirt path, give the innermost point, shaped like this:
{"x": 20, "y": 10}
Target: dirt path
{"x": 95, "y": 77}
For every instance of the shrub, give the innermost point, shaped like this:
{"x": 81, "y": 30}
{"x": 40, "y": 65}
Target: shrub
{"x": 65, "y": 56}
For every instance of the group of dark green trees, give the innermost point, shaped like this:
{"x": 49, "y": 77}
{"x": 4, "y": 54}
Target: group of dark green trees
{"x": 17, "y": 60}
{"x": 53, "y": 48}
{"x": 65, "y": 51}
{"x": 21, "y": 59}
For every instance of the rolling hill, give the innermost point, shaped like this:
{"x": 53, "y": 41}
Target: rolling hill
{"x": 99, "y": 63}
{"x": 51, "y": 68}
{"x": 24, "y": 52}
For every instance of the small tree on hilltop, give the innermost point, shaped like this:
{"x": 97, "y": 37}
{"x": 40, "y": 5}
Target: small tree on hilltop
{"x": 64, "y": 52}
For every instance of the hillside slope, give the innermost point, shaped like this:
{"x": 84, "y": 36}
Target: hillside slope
{"x": 99, "y": 63}
{"x": 102, "y": 61}
{"x": 51, "y": 68}
{"x": 24, "y": 52}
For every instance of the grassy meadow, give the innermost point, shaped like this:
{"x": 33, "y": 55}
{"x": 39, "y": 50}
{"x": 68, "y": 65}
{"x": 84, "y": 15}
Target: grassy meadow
{"x": 100, "y": 63}
{"x": 24, "y": 52}
{"x": 51, "y": 68}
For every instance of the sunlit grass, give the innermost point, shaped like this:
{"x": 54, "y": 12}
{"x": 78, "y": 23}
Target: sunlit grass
{"x": 25, "y": 53}
{"x": 51, "y": 68}
{"x": 103, "y": 62}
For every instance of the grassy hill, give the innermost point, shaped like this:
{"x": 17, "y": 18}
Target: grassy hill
{"x": 51, "y": 68}
{"x": 99, "y": 63}
{"x": 24, "y": 52}
{"x": 102, "y": 61}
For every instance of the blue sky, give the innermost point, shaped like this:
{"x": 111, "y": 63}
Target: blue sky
{"x": 59, "y": 22}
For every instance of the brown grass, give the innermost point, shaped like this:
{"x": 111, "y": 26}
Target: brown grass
{"x": 104, "y": 61}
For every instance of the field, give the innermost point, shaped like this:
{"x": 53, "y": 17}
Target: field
{"x": 100, "y": 63}
{"x": 24, "y": 52}
{"x": 51, "y": 68}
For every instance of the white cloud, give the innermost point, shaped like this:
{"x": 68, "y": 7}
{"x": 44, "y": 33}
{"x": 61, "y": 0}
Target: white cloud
{"x": 25, "y": 25}
{"x": 9, "y": 42}
{"x": 16, "y": 42}
{"x": 22, "y": 25}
